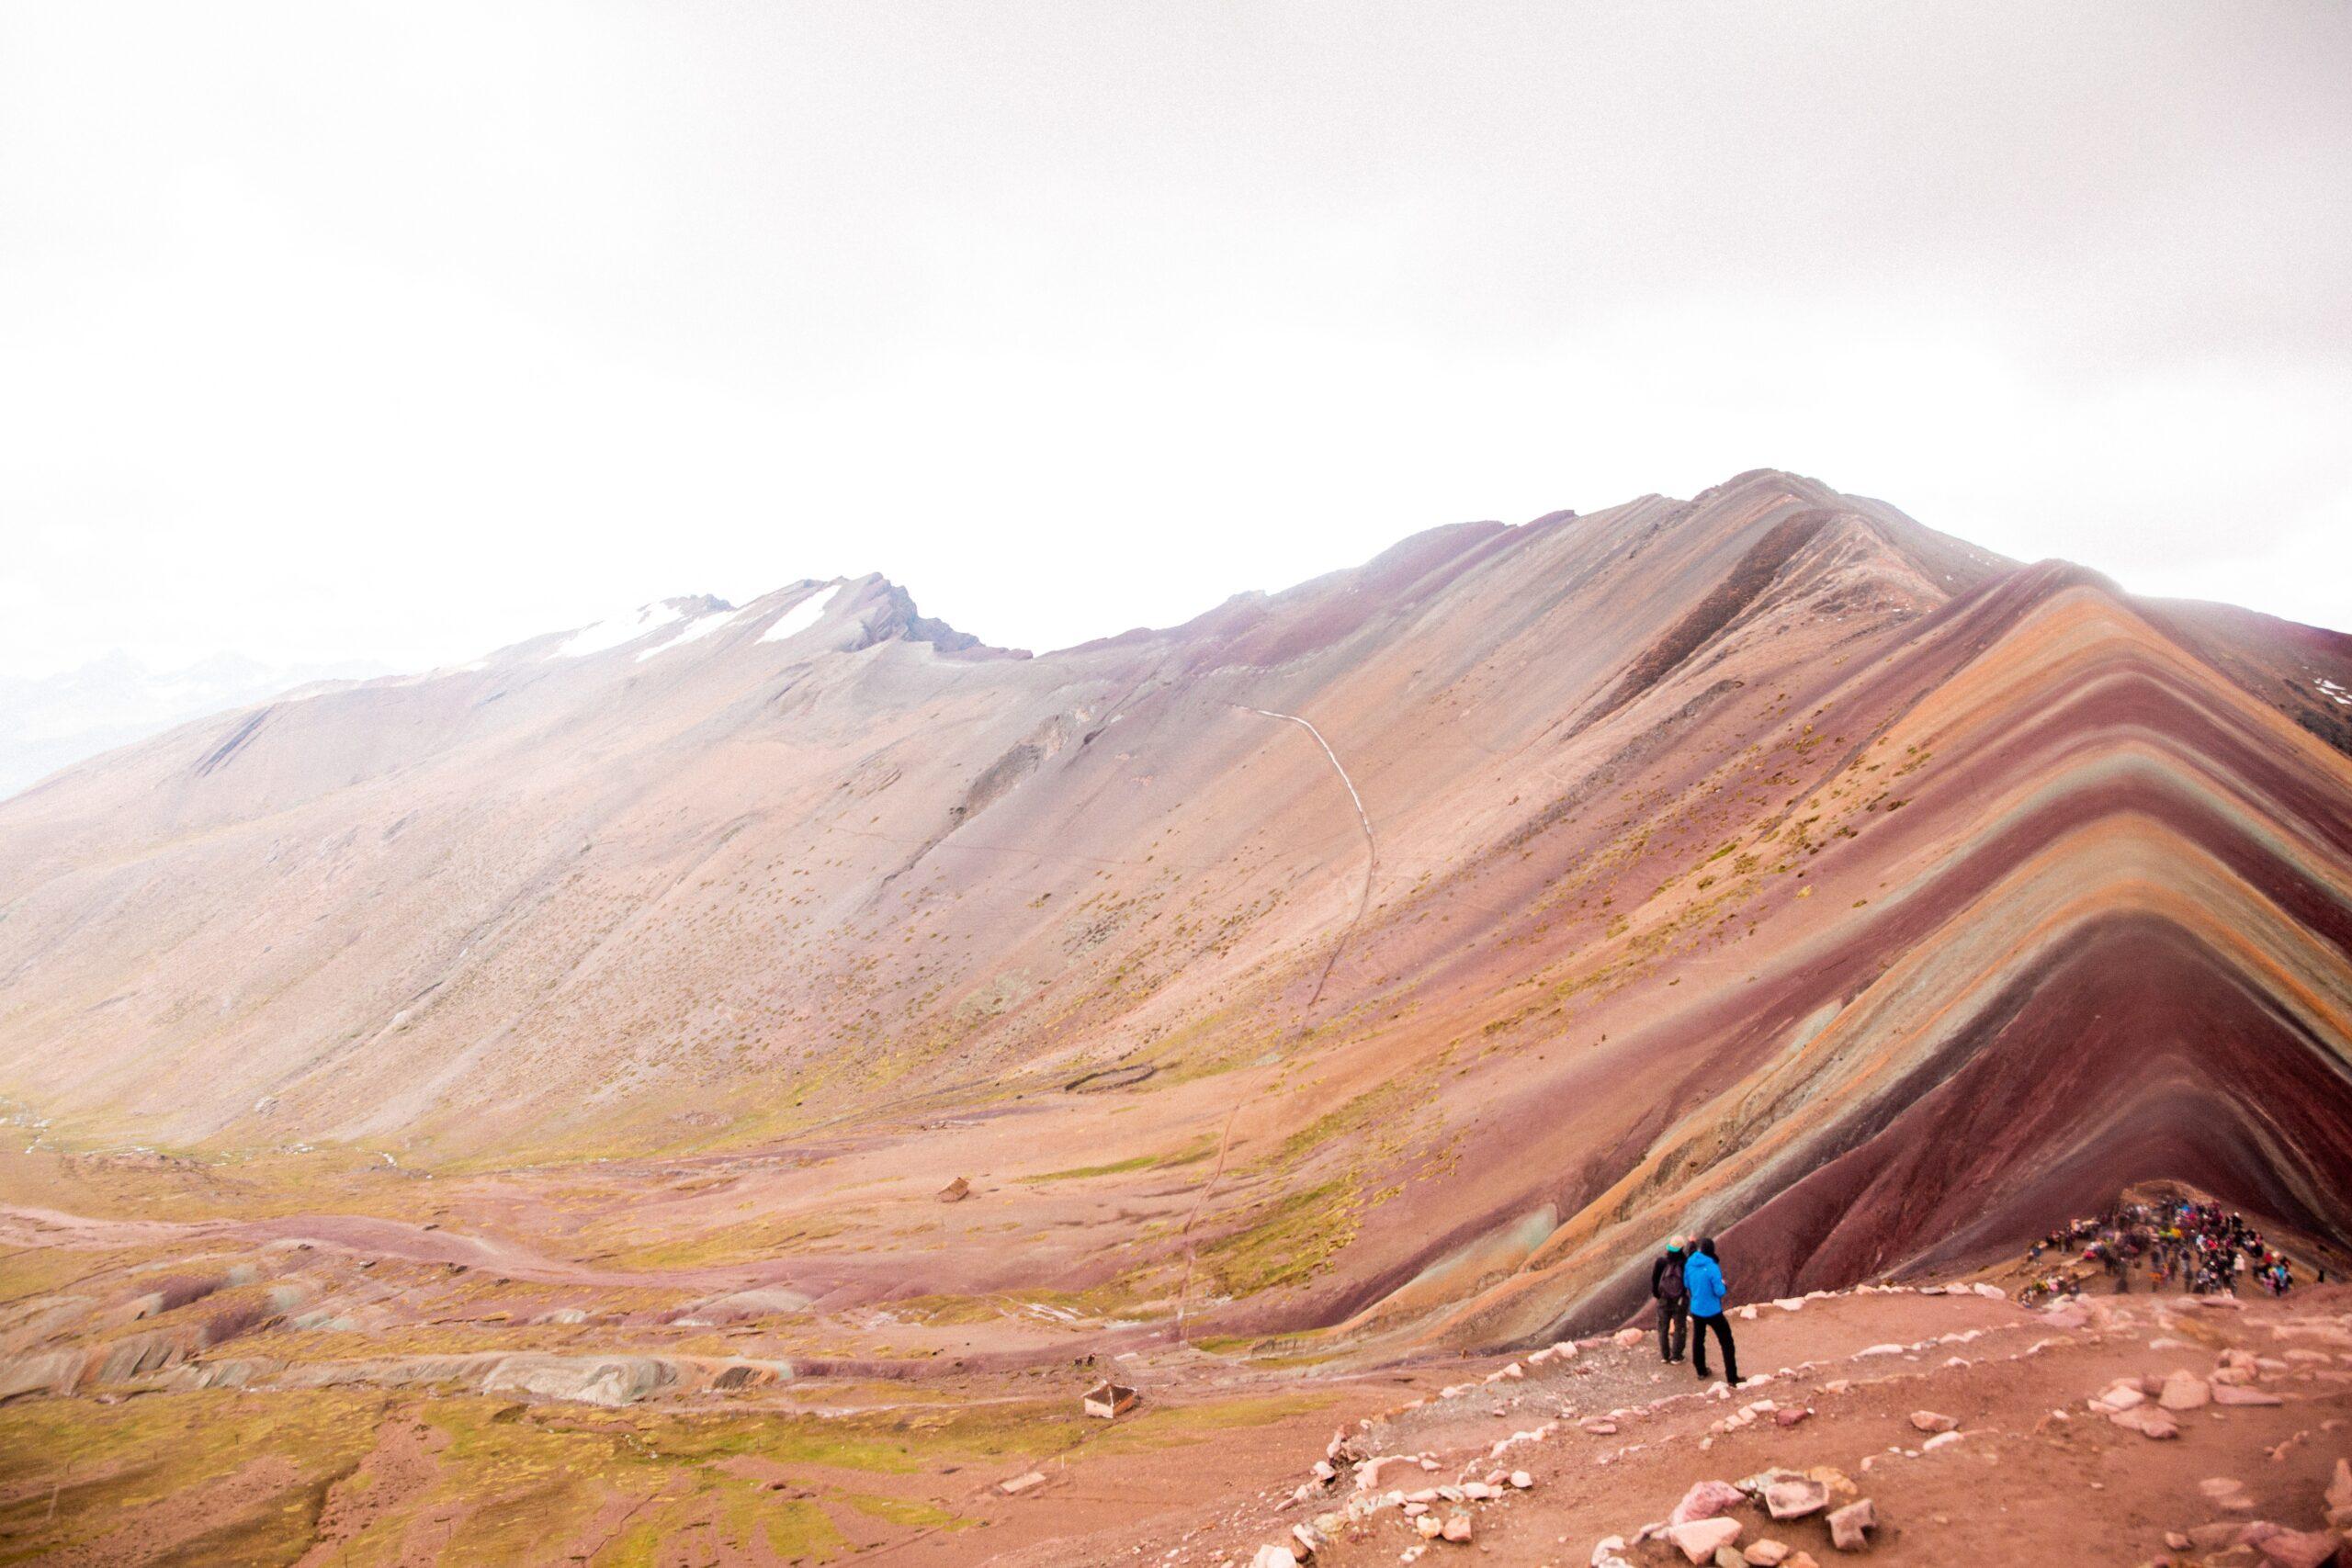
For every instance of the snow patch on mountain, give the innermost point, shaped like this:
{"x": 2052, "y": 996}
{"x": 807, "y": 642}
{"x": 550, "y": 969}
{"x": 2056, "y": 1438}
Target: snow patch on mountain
{"x": 614, "y": 631}
{"x": 694, "y": 630}
{"x": 801, "y": 617}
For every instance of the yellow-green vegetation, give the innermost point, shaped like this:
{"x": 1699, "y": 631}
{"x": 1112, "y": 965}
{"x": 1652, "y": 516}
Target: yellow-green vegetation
{"x": 1192, "y": 1153}
{"x": 120, "y": 1467}
{"x": 908, "y": 1512}
{"x": 213, "y": 1186}
{"x": 43, "y": 1270}
{"x": 222, "y": 1477}
{"x": 1171, "y": 1426}
{"x": 1288, "y": 1243}
{"x": 745, "y": 1242}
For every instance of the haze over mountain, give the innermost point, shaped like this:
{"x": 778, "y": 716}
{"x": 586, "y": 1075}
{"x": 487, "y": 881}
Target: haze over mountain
{"x": 48, "y": 722}
{"x": 1448, "y": 928}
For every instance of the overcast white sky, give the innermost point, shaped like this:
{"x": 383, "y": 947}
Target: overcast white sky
{"x": 398, "y": 332}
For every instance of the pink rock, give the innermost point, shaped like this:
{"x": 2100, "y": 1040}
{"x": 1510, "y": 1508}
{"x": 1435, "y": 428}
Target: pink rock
{"x": 1849, "y": 1525}
{"x": 1792, "y": 1497}
{"x": 1699, "y": 1538}
{"x": 1790, "y": 1417}
{"x": 2184, "y": 1391}
{"x": 2339, "y": 1490}
{"x": 2119, "y": 1396}
{"x": 1705, "y": 1501}
{"x": 2298, "y": 1549}
{"x": 2147, "y": 1422}
{"x": 1768, "y": 1554}
{"x": 2238, "y": 1394}
{"x": 1928, "y": 1421}
{"x": 1458, "y": 1528}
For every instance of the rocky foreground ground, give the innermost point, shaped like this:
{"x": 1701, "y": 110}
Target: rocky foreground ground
{"x": 463, "y": 1419}
{"x": 1907, "y": 1425}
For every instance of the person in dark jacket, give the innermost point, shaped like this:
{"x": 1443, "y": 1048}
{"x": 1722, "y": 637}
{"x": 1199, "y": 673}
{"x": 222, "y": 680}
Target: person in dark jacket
{"x": 1673, "y": 1298}
{"x": 1703, "y": 1275}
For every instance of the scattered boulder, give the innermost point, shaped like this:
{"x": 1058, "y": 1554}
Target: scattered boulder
{"x": 1794, "y": 1496}
{"x": 611, "y": 1382}
{"x": 1020, "y": 1483}
{"x": 2298, "y": 1549}
{"x": 736, "y": 1306}
{"x": 1521, "y": 1480}
{"x": 1458, "y": 1528}
{"x": 1928, "y": 1421}
{"x": 1629, "y": 1337}
{"x": 1848, "y": 1526}
{"x": 1705, "y": 1501}
{"x": 1274, "y": 1557}
{"x": 1792, "y": 1416}
{"x": 1698, "y": 1540}
{"x": 955, "y": 1191}
{"x": 2184, "y": 1391}
{"x": 1767, "y": 1553}
{"x": 52, "y": 1372}
{"x": 2147, "y": 1422}
{"x": 2238, "y": 1394}
{"x": 2120, "y": 1394}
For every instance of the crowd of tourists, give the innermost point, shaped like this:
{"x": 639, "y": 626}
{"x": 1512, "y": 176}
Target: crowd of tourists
{"x": 2183, "y": 1246}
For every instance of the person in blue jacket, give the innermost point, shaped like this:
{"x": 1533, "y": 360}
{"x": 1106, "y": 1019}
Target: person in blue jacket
{"x": 1705, "y": 1276}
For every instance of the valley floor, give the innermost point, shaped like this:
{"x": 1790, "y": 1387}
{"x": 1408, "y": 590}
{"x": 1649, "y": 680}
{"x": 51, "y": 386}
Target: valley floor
{"x": 341, "y": 1388}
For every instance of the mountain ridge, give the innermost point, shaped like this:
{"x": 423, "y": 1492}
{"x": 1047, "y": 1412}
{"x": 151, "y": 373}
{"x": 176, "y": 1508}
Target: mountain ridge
{"x": 843, "y": 885}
